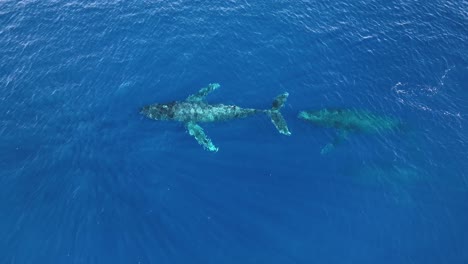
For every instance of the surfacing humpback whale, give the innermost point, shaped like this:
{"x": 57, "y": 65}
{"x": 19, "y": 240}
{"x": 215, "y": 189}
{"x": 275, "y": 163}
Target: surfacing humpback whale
{"x": 194, "y": 110}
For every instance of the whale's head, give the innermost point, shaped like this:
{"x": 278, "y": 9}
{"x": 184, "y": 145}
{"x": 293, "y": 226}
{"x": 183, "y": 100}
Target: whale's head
{"x": 323, "y": 117}
{"x": 159, "y": 111}
{"x": 312, "y": 116}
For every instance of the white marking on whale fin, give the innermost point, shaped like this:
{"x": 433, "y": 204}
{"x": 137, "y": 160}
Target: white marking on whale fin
{"x": 197, "y": 132}
{"x": 200, "y": 95}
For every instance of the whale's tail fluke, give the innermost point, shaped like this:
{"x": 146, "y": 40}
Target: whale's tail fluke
{"x": 276, "y": 116}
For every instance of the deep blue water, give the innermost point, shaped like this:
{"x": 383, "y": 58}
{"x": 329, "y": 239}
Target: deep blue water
{"x": 85, "y": 179}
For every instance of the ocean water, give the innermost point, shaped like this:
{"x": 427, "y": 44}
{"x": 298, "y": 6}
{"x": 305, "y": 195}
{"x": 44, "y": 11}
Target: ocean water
{"x": 84, "y": 178}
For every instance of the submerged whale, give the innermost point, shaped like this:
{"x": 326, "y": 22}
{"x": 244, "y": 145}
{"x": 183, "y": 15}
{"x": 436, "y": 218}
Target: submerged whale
{"x": 195, "y": 109}
{"x": 349, "y": 120}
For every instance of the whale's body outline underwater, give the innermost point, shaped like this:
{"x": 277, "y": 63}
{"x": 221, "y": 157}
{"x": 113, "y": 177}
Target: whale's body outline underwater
{"x": 347, "y": 121}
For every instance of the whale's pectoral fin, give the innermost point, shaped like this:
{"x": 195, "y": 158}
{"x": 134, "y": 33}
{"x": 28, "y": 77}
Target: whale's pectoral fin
{"x": 197, "y": 132}
{"x": 327, "y": 148}
{"x": 200, "y": 95}
{"x": 340, "y": 136}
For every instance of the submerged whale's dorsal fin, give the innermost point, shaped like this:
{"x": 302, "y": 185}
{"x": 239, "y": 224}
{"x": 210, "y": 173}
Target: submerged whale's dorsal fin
{"x": 197, "y": 132}
{"x": 200, "y": 95}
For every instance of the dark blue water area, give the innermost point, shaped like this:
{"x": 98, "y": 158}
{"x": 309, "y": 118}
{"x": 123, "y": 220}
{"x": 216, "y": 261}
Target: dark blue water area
{"x": 84, "y": 178}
